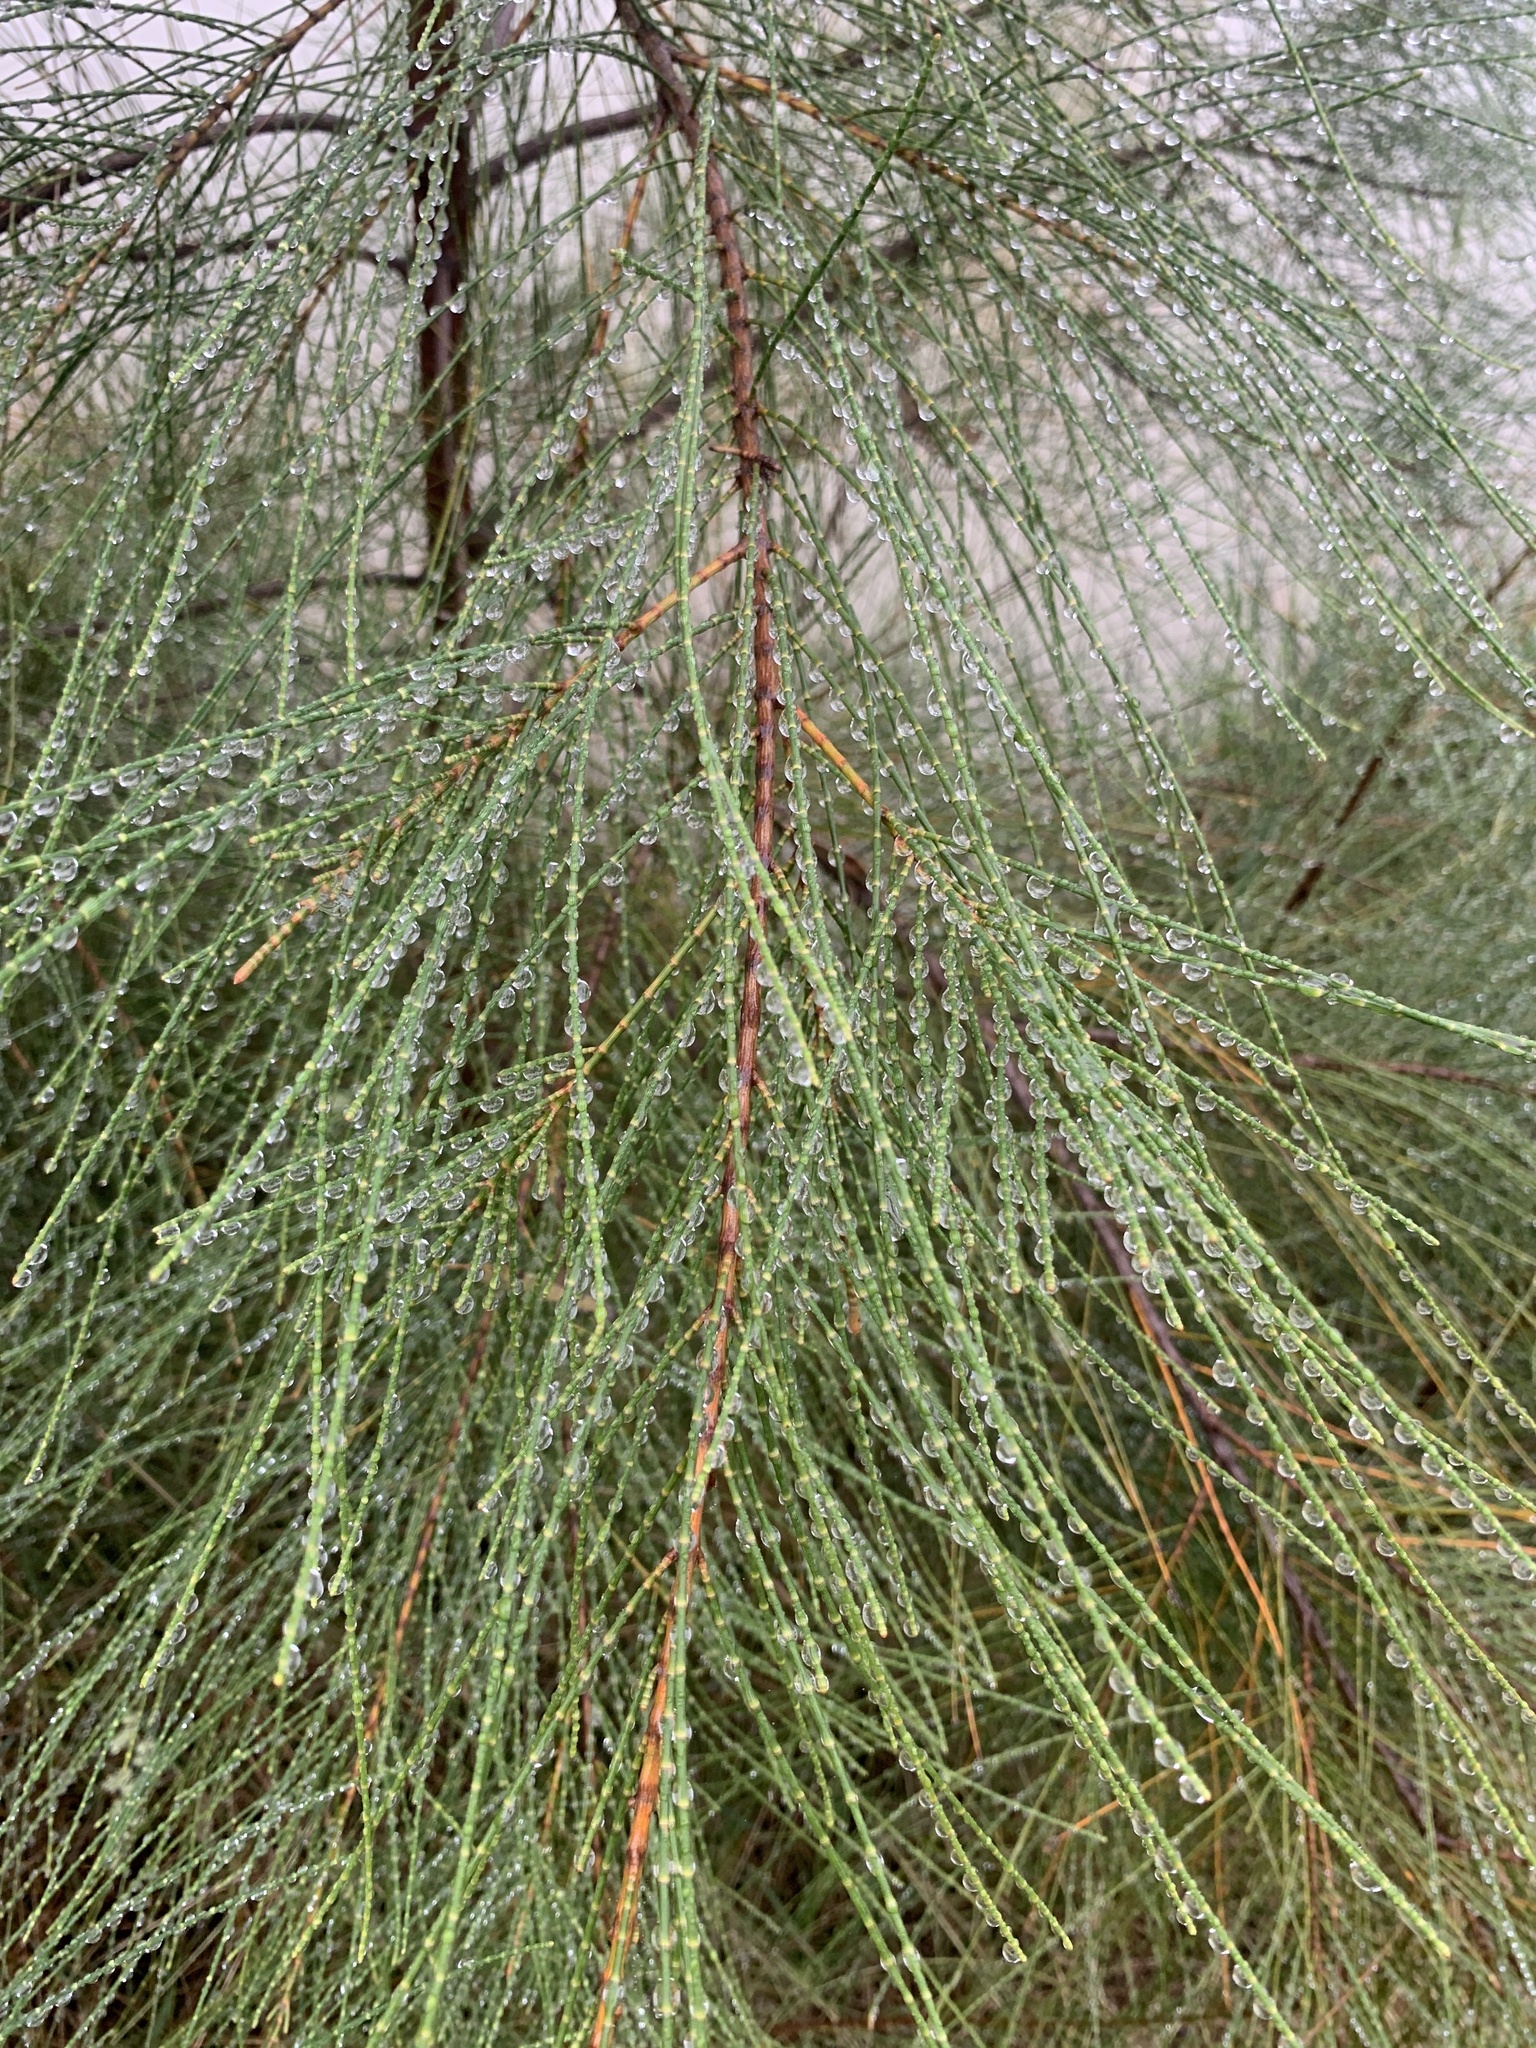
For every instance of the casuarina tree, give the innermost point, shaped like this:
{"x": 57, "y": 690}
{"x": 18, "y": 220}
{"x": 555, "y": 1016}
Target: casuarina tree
{"x": 766, "y": 1086}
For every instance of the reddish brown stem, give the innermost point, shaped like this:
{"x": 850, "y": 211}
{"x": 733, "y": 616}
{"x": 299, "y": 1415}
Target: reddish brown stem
{"x": 756, "y": 539}
{"x": 604, "y": 319}
{"x": 569, "y": 135}
{"x": 1222, "y": 1443}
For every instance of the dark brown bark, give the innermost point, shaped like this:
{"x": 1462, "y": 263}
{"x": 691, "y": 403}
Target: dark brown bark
{"x": 1312, "y": 873}
{"x": 443, "y": 361}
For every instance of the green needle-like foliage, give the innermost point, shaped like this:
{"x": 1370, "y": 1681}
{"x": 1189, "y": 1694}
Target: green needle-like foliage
{"x": 767, "y": 1082}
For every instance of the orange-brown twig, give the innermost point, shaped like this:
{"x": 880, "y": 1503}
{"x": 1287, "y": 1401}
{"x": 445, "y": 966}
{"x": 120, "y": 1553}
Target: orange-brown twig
{"x": 306, "y": 908}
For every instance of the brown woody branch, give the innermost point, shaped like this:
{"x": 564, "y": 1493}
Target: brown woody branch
{"x": 15, "y": 207}
{"x": 916, "y": 160}
{"x": 569, "y": 135}
{"x": 1319, "y": 1062}
{"x": 442, "y": 348}
{"x": 190, "y": 139}
{"x": 253, "y": 593}
{"x": 474, "y": 756}
{"x": 1312, "y": 873}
